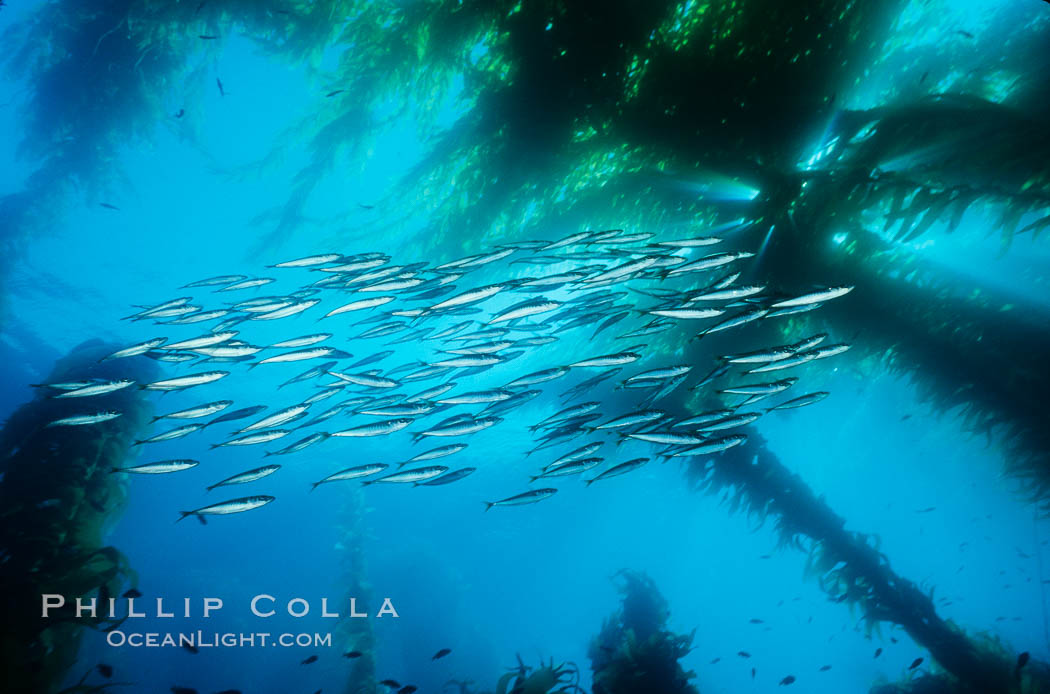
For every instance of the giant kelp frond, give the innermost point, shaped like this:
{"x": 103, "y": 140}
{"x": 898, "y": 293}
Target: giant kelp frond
{"x": 928, "y": 163}
{"x": 635, "y": 652}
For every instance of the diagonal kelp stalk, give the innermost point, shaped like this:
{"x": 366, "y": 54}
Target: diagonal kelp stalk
{"x": 849, "y": 565}
{"x": 635, "y": 651}
{"x": 57, "y": 497}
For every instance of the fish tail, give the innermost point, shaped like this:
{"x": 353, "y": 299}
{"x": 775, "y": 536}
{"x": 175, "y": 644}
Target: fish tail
{"x": 138, "y": 443}
{"x": 488, "y": 504}
{"x": 214, "y": 446}
{"x": 588, "y": 483}
{"x": 533, "y": 478}
{"x": 184, "y": 515}
{"x": 253, "y": 365}
{"x": 114, "y": 469}
{"x": 314, "y": 486}
{"x": 365, "y": 484}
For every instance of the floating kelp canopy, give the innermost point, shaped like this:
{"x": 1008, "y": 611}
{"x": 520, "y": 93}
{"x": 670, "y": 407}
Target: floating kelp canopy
{"x": 635, "y": 652}
{"x": 57, "y": 498}
{"x": 556, "y": 115}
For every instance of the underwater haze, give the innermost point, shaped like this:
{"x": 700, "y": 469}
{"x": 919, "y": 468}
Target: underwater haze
{"x": 724, "y": 325}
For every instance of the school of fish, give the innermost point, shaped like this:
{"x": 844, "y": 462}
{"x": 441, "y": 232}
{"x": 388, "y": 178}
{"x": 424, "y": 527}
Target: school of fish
{"x": 589, "y": 281}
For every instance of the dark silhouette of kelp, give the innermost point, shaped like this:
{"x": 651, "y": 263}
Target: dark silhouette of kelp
{"x": 57, "y": 497}
{"x": 635, "y": 653}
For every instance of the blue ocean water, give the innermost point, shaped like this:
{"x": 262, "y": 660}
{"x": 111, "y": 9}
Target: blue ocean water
{"x": 199, "y": 196}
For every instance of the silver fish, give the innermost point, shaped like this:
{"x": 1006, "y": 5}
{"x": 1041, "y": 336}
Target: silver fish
{"x": 291, "y": 310}
{"x": 189, "y": 381}
{"x": 296, "y": 355}
{"x": 352, "y": 473}
{"x": 310, "y": 260}
{"x": 227, "y": 507}
{"x": 415, "y": 409}
{"x": 801, "y": 401}
{"x": 728, "y": 294}
{"x": 359, "y": 305}
{"x": 688, "y": 313}
{"x": 529, "y": 497}
{"x": 760, "y": 388}
{"x": 368, "y": 380}
{"x": 477, "y": 397}
{"x": 394, "y": 285}
{"x": 159, "y": 468}
{"x": 691, "y": 243}
{"x": 709, "y": 262}
{"x": 84, "y": 419}
{"x": 632, "y": 419}
{"x": 581, "y": 452}
{"x": 212, "y": 281}
{"x": 469, "y": 297}
{"x": 662, "y": 373}
{"x": 66, "y": 385}
{"x": 462, "y": 428}
{"x": 608, "y": 360}
{"x": 539, "y": 377}
{"x": 96, "y": 389}
{"x": 148, "y": 311}
{"x": 135, "y": 350}
{"x": 454, "y": 476}
{"x": 176, "y": 433}
{"x": 229, "y": 351}
{"x": 809, "y": 342}
{"x": 203, "y": 341}
{"x": 278, "y": 418}
{"x": 525, "y": 309}
{"x": 813, "y": 297}
{"x": 435, "y": 453}
{"x": 247, "y": 284}
{"x": 573, "y": 467}
{"x": 735, "y": 321}
{"x": 759, "y": 356}
{"x": 711, "y": 446}
{"x": 616, "y": 470}
{"x": 431, "y": 393}
{"x": 731, "y": 422}
{"x": 419, "y": 474}
{"x": 623, "y": 271}
{"x": 387, "y": 426}
{"x": 567, "y": 413}
{"x": 247, "y": 476}
{"x": 469, "y": 360}
{"x": 304, "y": 341}
{"x": 300, "y": 444}
{"x": 792, "y": 309}
{"x": 254, "y": 438}
{"x": 667, "y": 437}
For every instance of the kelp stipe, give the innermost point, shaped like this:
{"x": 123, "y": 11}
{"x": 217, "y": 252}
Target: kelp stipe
{"x": 849, "y": 565}
{"x": 635, "y": 653}
{"x": 57, "y": 497}
{"x": 356, "y": 634}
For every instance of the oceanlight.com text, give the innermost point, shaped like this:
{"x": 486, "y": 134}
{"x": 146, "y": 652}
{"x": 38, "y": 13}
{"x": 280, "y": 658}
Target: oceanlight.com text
{"x": 199, "y": 639}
